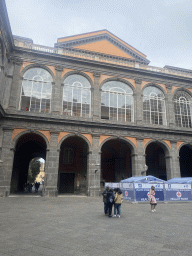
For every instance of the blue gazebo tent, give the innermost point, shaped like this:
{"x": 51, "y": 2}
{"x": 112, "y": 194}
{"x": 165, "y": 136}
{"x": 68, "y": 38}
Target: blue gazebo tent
{"x": 184, "y": 180}
{"x": 137, "y": 188}
{"x": 144, "y": 179}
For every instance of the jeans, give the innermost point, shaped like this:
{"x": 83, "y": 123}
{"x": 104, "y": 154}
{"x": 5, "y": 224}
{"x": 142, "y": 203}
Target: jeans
{"x": 117, "y": 209}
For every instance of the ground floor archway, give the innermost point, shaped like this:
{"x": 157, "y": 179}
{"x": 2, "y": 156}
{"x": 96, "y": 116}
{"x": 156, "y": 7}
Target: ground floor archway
{"x": 185, "y": 160}
{"x": 72, "y": 176}
{"x": 116, "y": 161}
{"x": 28, "y": 147}
{"x": 156, "y": 161}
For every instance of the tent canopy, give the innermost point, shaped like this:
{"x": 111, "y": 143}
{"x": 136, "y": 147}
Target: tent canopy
{"x": 181, "y": 180}
{"x": 143, "y": 179}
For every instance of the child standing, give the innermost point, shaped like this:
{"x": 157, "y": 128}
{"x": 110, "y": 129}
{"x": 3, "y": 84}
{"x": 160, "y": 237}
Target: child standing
{"x": 152, "y": 199}
{"x": 118, "y": 201}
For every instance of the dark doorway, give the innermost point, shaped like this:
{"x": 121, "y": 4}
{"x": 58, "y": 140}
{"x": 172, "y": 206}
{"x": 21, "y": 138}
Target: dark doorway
{"x": 73, "y": 166}
{"x": 115, "y": 161}
{"x": 28, "y": 147}
{"x": 185, "y": 159}
{"x": 66, "y": 183}
{"x": 155, "y": 160}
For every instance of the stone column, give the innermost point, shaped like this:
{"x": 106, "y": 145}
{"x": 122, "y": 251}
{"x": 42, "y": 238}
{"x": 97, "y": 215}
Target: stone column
{"x": 8, "y": 79}
{"x": 140, "y": 159}
{"x": 96, "y": 98}
{"x": 15, "y": 85}
{"x": 138, "y": 103}
{"x": 57, "y": 92}
{"x": 94, "y": 168}
{"x": 170, "y": 108}
{"x": 51, "y": 167}
{"x": 173, "y": 162}
{"x": 6, "y": 163}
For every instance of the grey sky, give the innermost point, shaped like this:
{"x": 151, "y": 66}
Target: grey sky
{"x": 161, "y": 29}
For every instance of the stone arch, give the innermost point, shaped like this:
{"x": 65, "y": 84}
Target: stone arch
{"x": 158, "y": 159}
{"x": 155, "y": 85}
{"x": 117, "y": 159}
{"x": 78, "y": 73}
{"x": 19, "y": 135}
{"x": 109, "y": 79}
{"x": 38, "y": 66}
{"x": 73, "y": 135}
{"x": 181, "y": 89}
{"x": 185, "y": 159}
{"x": 27, "y": 145}
{"x": 73, "y": 164}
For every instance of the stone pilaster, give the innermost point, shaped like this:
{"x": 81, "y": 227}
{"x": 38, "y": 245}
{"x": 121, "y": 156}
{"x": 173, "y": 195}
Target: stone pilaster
{"x": 7, "y": 79}
{"x": 15, "y": 85}
{"x": 170, "y": 109}
{"x": 96, "y": 98}
{"x": 140, "y": 159}
{"x": 138, "y": 103}
{"x": 94, "y": 169}
{"x": 173, "y": 162}
{"x": 51, "y": 167}
{"x": 6, "y": 163}
{"x": 57, "y": 92}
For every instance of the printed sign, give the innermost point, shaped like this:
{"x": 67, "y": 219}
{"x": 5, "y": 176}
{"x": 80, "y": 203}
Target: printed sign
{"x": 142, "y": 190}
{"x": 178, "y": 192}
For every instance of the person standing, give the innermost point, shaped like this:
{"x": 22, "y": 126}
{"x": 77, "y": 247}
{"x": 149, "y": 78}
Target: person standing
{"x": 151, "y": 196}
{"x": 105, "y": 200}
{"x": 110, "y": 201}
{"x": 118, "y": 201}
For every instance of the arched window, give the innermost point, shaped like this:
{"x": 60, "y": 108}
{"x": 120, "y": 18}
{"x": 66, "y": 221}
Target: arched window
{"x": 117, "y": 102}
{"x": 77, "y": 96}
{"x": 36, "y": 91}
{"x": 154, "y": 110}
{"x": 183, "y": 109}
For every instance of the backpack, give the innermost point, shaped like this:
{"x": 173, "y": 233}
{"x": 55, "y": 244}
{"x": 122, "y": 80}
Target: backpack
{"x": 111, "y": 199}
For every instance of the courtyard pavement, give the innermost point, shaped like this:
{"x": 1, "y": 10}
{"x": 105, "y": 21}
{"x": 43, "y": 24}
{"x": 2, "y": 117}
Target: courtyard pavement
{"x": 76, "y": 225}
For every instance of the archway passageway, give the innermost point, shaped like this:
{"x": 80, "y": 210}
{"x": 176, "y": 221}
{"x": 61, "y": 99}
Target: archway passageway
{"x": 115, "y": 161}
{"x": 185, "y": 159}
{"x": 72, "y": 176}
{"x": 29, "y": 146}
{"x": 155, "y": 160}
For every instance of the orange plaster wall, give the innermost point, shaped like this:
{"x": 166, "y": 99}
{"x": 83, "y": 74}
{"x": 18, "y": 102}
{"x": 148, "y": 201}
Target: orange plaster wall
{"x": 189, "y": 90}
{"x": 25, "y": 64}
{"x": 145, "y": 142}
{"x": 90, "y": 75}
{"x": 104, "y": 47}
{"x": 168, "y": 143}
{"x": 98, "y": 33}
{"x": 102, "y": 138}
{"x": 47, "y": 134}
{"x": 61, "y": 135}
{"x": 179, "y": 143}
{"x": 17, "y": 131}
{"x": 89, "y": 137}
{"x": 52, "y": 69}
{"x": 133, "y": 140}
{"x": 143, "y": 83}
{"x": 173, "y": 89}
{"x": 103, "y": 77}
{"x": 66, "y": 70}
{"x": 164, "y": 87}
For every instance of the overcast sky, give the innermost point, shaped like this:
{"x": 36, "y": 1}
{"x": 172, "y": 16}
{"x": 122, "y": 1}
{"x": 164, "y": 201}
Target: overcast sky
{"x": 161, "y": 29}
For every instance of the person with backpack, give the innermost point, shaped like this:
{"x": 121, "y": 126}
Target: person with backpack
{"x": 110, "y": 201}
{"x": 117, "y": 203}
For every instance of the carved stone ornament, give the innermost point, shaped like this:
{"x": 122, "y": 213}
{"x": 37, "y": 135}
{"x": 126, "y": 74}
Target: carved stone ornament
{"x": 96, "y": 75}
{"x": 138, "y": 80}
{"x": 59, "y": 68}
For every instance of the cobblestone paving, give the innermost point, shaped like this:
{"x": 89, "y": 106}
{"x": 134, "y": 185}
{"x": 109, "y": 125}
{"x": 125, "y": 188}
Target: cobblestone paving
{"x": 75, "y": 225}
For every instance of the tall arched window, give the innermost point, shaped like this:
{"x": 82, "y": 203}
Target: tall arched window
{"x": 77, "y": 96}
{"x": 36, "y": 90}
{"x": 154, "y": 110}
{"x": 183, "y": 109}
{"x": 117, "y": 102}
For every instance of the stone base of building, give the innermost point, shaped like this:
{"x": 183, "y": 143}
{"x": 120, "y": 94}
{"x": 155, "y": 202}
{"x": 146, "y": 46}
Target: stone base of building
{"x": 94, "y": 191}
{"x": 50, "y": 192}
{"x": 4, "y": 191}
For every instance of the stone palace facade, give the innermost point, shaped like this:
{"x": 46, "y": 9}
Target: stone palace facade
{"x": 93, "y": 108}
